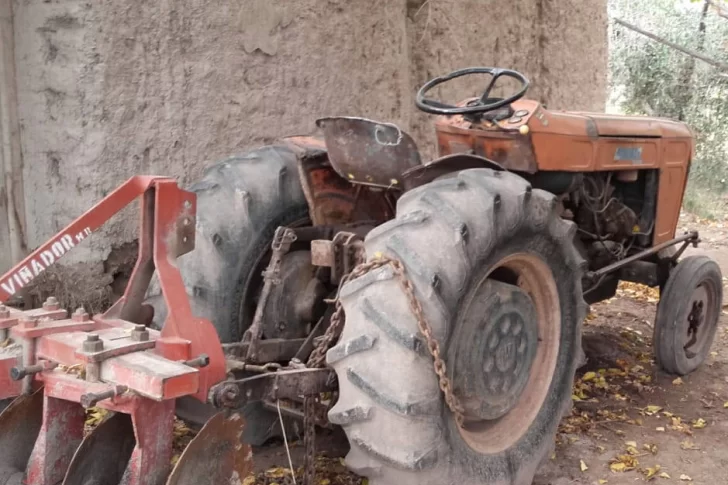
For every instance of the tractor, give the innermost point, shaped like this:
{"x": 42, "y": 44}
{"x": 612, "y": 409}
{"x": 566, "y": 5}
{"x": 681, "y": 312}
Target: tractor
{"x": 430, "y": 310}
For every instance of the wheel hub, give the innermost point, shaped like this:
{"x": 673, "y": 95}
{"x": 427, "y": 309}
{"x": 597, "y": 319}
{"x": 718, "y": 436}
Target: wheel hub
{"x": 696, "y": 318}
{"x": 495, "y": 350}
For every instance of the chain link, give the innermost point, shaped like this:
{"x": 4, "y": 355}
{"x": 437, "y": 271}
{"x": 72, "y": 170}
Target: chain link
{"x": 433, "y": 346}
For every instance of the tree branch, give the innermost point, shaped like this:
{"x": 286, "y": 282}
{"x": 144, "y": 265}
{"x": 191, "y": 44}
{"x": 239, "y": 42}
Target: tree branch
{"x": 668, "y": 43}
{"x": 719, "y": 9}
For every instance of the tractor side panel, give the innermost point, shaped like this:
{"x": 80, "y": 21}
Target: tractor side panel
{"x": 673, "y": 178}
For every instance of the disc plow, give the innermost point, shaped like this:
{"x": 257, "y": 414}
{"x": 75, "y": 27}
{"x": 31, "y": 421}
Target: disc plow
{"x": 55, "y": 366}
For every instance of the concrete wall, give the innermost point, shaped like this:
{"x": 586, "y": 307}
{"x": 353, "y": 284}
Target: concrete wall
{"x": 112, "y": 89}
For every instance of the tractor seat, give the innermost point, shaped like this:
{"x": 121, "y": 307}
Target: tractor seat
{"x": 369, "y": 152}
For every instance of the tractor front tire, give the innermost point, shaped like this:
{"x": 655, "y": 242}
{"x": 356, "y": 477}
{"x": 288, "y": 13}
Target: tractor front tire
{"x": 687, "y": 315}
{"x": 499, "y": 280}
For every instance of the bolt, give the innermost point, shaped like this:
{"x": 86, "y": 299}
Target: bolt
{"x": 80, "y": 315}
{"x": 18, "y": 373}
{"x": 93, "y": 343}
{"x": 228, "y": 395}
{"x": 92, "y": 398}
{"x": 51, "y": 304}
{"x": 202, "y": 361}
{"x": 140, "y": 333}
{"x": 29, "y": 322}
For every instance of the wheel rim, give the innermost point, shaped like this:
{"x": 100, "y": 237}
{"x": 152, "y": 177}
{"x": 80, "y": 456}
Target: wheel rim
{"x": 698, "y": 325}
{"x": 503, "y": 421}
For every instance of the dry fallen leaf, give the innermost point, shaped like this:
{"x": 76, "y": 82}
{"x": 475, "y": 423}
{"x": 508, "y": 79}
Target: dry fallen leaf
{"x": 660, "y": 428}
{"x": 664, "y": 475}
{"x": 601, "y": 481}
{"x": 699, "y": 423}
{"x": 583, "y": 466}
{"x": 277, "y": 472}
{"x": 589, "y": 376}
{"x": 652, "y": 409}
{"x": 650, "y": 473}
{"x": 249, "y": 480}
{"x": 651, "y": 448}
{"x": 688, "y": 445}
{"x": 95, "y": 415}
{"x": 685, "y": 478}
{"x": 677, "y": 382}
{"x": 725, "y": 404}
{"x": 622, "y": 463}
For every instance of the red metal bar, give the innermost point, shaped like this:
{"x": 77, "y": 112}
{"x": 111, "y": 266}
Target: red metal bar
{"x": 60, "y": 435}
{"x": 15, "y": 316}
{"x": 24, "y": 272}
{"x": 8, "y": 387}
{"x": 167, "y": 231}
{"x": 151, "y": 460}
{"x": 173, "y": 236}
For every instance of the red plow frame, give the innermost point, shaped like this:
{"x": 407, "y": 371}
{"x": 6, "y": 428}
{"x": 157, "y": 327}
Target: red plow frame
{"x": 112, "y": 360}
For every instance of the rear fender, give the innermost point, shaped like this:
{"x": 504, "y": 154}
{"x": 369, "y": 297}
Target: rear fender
{"x": 424, "y": 174}
{"x": 332, "y": 199}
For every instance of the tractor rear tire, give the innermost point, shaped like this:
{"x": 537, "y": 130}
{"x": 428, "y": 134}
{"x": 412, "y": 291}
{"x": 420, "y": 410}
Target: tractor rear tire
{"x": 241, "y": 200}
{"x": 484, "y": 252}
{"x": 690, "y": 306}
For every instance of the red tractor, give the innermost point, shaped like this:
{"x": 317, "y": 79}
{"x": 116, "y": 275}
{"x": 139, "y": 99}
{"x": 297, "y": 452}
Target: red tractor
{"x": 432, "y": 310}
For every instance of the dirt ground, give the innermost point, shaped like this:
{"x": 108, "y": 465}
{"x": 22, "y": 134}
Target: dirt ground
{"x": 630, "y": 422}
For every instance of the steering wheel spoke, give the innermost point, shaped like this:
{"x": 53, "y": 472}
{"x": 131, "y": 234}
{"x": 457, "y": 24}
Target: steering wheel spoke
{"x": 432, "y": 106}
{"x": 494, "y": 77}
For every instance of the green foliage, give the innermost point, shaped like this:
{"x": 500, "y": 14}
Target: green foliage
{"x": 649, "y": 78}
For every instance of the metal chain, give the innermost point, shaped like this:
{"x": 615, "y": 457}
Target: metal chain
{"x": 433, "y": 346}
{"x": 318, "y": 355}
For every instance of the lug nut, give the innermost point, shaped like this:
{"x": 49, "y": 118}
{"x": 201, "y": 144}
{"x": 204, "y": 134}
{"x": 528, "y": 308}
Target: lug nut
{"x": 140, "y": 333}
{"x": 93, "y": 343}
{"x": 51, "y": 304}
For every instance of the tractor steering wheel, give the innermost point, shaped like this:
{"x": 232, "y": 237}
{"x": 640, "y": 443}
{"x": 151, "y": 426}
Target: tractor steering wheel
{"x": 475, "y": 107}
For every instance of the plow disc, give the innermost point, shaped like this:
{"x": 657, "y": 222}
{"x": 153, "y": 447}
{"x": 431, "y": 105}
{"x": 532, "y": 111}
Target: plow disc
{"x": 215, "y": 455}
{"x": 104, "y": 453}
{"x": 20, "y": 424}
{"x": 109, "y": 454}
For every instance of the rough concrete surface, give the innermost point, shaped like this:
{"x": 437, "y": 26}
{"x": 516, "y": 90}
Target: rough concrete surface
{"x": 108, "y": 89}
